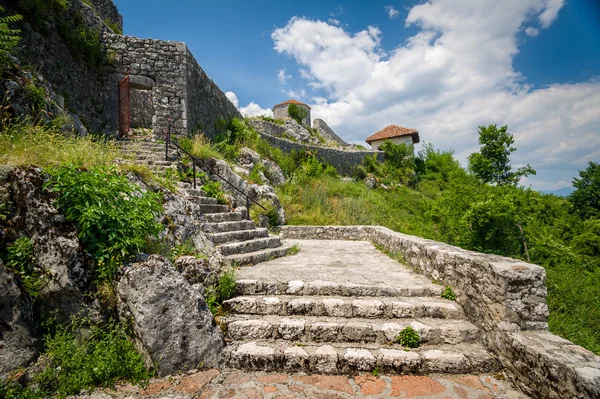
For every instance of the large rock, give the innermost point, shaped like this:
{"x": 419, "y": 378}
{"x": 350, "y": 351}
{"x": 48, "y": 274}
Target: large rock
{"x": 173, "y": 327}
{"x": 18, "y": 343}
{"x": 248, "y": 159}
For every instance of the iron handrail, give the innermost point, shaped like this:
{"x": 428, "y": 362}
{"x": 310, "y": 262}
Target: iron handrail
{"x": 195, "y": 160}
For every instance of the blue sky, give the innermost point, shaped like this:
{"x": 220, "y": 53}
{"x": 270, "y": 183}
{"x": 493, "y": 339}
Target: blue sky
{"x": 443, "y": 67}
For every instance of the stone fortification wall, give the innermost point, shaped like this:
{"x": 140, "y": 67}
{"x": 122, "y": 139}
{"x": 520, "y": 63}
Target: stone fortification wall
{"x": 166, "y": 82}
{"x": 343, "y": 161}
{"x": 505, "y": 297}
{"x": 157, "y": 70}
{"x": 44, "y": 46}
{"x": 206, "y": 102}
{"x": 107, "y": 10}
{"x": 327, "y": 133}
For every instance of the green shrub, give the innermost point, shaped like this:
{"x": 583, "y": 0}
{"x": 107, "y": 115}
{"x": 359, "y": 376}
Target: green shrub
{"x": 447, "y": 293}
{"x": 213, "y": 189}
{"x": 271, "y": 213}
{"x": 409, "y": 338}
{"x": 113, "y": 216}
{"x": 36, "y": 96}
{"x": 297, "y": 113}
{"x": 20, "y": 258}
{"x": 224, "y": 290}
{"x": 9, "y": 38}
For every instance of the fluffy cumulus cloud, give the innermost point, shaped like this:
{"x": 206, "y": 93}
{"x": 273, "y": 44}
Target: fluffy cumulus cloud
{"x": 454, "y": 74}
{"x": 252, "y": 109}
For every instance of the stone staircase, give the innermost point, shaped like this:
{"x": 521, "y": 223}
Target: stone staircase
{"x": 341, "y": 320}
{"x": 237, "y": 239}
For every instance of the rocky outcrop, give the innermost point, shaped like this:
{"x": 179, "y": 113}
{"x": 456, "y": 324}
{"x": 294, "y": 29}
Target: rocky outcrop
{"x": 249, "y": 159}
{"x": 290, "y": 130}
{"x": 173, "y": 327}
{"x": 18, "y": 338}
{"x": 327, "y": 133}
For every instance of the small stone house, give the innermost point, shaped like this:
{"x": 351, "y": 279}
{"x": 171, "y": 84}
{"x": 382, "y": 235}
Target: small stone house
{"x": 280, "y": 111}
{"x": 394, "y": 133}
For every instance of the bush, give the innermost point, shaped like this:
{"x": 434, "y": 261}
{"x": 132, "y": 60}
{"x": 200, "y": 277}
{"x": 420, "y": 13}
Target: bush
{"x": 297, "y": 113}
{"x": 224, "y": 290}
{"x": 213, "y": 189}
{"x": 113, "y": 216}
{"x": 271, "y": 213}
{"x": 20, "y": 258}
{"x": 409, "y": 338}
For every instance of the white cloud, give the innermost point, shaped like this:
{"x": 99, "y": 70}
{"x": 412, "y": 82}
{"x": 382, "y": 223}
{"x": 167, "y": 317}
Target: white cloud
{"x": 532, "y": 32}
{"x": 282, "y": 76}
{"x": 454, "y": 74}
{"x": 232, "y": 97}
{"x": 392, "y": 12}
{"x": 295, "y": 95}
{"x": 251, "y": 109}
{"x": 333, "y": 21}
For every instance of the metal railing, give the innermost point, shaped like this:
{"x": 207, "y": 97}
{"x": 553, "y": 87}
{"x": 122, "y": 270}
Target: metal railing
{"x": 202, "y": 164}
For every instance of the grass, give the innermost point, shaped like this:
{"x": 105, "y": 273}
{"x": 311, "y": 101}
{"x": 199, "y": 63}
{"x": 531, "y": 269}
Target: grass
{"x": 202, "y": 148}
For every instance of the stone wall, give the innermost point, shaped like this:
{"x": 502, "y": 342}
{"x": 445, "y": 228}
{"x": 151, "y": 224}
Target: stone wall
{"x": 65, "y": 67}
{"x": 327, "y": 133}
{"x": 107, "y": 10}
{"x": 505, "y": 297}
{"x": 343, "y": 161}
{"x": 396, "y": 140}
{"x": 206, "y": 102}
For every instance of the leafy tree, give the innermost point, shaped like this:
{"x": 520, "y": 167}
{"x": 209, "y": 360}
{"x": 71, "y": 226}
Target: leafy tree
{"x": 9, "y": 38}
{"x": 586, "y": 197}
{"x": 492, "y": 163}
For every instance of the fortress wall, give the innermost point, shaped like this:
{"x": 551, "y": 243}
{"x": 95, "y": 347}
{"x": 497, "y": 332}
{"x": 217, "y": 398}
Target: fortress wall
{"x": 206, "y": 102}
{"x": 343, "y": 161}
{"x": 107, "y": 10}
{"x": 326, "y": 132}
{"x": 504, "y": 297}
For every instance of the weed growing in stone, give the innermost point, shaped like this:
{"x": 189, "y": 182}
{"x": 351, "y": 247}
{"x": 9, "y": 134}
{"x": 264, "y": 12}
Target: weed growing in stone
{"x": 294, "y": 250}
{"x": 20, "y": 258}
{"x": 447, "y": 293}
{"x": 409, "y": 338}
{"x": 375, "y": 372}
{"x": 113, "y": 216}
{"x": 213, "y": 189}
{"x": 224, "y": 290}
{"x": 270, "y": 213}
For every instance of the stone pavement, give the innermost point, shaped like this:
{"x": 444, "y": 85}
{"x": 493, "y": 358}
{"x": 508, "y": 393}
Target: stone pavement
{"x": 258, "y": 385}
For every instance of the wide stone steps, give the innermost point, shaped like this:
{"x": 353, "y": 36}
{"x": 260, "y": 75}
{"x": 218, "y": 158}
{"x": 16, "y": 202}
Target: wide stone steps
{"x": 361, "y": 307}
{"x": 328, "y": 288}
{"x": 222, "y": 227}
{"x": 238, "y": 235}
{"x": 340, "y": 358}
{"x": 222, "y": 217}
{"x": 252, "y": 245}
{"x": 315, "y": 329}
{"x": 264, "y": 255}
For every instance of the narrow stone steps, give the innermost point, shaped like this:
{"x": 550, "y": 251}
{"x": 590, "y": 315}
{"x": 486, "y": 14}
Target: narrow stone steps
{"x": 239, "y": 235}
{"x": 202, "y": 200}
{"x": 222, "y": 227}
{"x": 259, "y": 256}
{"x": 193, "y": 192}
{"x": 213, "y": 208}
{"x": 153, "y": 162}
{"x": 222, "y": 217}
{"x": 351, "y": 358}
{"x": 363, "y": 307}
{"x": 328, "y": 288}
{"x": 253, "y": 245}
{"x": 314, "y": 329}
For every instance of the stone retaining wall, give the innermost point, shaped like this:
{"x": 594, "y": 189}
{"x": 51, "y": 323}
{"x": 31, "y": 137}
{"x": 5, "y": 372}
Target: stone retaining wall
{"x": 326, "y": 132}
{"x": 343, "y": 161}
{"x": 505, "y": 297}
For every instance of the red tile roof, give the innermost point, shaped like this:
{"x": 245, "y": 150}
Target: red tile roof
{"x": 291, "y": 102}
{"x": 394, "y": 131}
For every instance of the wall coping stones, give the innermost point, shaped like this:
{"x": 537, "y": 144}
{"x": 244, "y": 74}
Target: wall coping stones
{"x": 505, "y": 297}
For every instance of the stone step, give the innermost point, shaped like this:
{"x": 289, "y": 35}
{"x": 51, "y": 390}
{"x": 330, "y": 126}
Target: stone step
{"x": 193, "y": 192}
{"x": 365, "y": 307}
{"x": 222, "y": 217}
{"x": 311, "y": 329}
{"x": 253, "y": 245}
{"x": 239, "y": 235}
{"x": 153, "y": 162}
{"x": 254, "y": 258}
{"x": 352, "y": 358}
{"x": 213, "y": 208}
{"x": 328, "y": 288}
{"x": 221, "y": 227}
{"x": 202, "y": 200}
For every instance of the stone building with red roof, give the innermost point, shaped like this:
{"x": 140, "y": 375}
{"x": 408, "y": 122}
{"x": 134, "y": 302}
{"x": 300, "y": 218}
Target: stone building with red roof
{"x": 394, "y": 133}
{"x": 280, "y": 111}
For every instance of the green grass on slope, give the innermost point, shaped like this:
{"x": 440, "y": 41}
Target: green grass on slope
{"x": 573, "y": 291}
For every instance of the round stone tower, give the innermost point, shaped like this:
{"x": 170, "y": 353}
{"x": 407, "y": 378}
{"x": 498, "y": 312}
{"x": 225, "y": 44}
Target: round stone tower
{"x": 281, "y": 111}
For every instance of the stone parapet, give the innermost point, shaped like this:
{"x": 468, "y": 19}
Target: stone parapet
{"x": 505, "y": 297}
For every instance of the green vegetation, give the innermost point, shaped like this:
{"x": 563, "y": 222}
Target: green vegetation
{"x": 272, "y": 120}
{"x": 219, "y": 293}
{"x": 447, "y": 293}
{"x": 9, "y": 37}
{"x": 408, "y": 338}
{"x": 20, "y": 259}
{"x": 492, "y": 164}
{"x": 586, "y": 197}
{"x": 112, "y": 215}
{"x": 101, "y": 357}
{"x": 256, "y": 213}
{"x": 294, "y": 250}
{"x": 36, "y": 96}
{"x": 375, "y": 371}
{"x": 297, "y": 113}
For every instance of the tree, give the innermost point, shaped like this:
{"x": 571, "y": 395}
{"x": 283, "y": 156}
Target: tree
{"x": 586, "y": 197}
{"x": 492, "y": 163}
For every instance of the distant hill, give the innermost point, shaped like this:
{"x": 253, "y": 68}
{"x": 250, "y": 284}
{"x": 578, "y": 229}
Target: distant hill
{"x": 561, "y": 192}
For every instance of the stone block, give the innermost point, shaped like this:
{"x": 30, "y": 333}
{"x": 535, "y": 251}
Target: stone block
{"x": 325, "y": 360}
{"x": 360, "y": 359}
